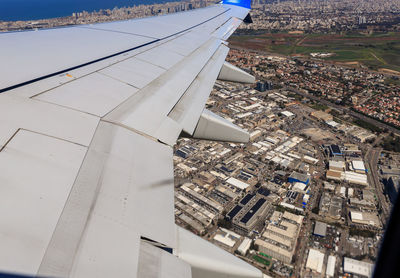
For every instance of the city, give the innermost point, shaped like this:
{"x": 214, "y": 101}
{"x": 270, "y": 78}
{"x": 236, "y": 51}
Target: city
{"x": 304, "y": 187}
{"x": 311, "y": 193}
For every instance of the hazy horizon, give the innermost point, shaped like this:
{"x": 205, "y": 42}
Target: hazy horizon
{"x": 12, "y": 10}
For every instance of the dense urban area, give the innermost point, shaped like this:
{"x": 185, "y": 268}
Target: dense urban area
{"x": 311, "y": 193}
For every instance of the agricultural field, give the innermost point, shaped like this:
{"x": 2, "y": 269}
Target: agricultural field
{"x": 376, "y": 51}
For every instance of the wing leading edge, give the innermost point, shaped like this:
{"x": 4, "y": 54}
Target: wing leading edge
{"x": 89, "y": 117}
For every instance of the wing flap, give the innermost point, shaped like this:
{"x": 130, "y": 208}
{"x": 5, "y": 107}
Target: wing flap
{"x": 189, "y": 108}
{"x": 156, "y": 100}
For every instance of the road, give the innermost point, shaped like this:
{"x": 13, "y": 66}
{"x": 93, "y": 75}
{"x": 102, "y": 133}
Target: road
{"x": 345, "y": 110}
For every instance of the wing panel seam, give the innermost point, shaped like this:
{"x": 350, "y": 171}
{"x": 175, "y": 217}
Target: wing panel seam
{"x": 106, "y": 57}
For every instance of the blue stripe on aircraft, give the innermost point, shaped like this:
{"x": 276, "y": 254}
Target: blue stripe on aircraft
{"x": 241, "y": 3}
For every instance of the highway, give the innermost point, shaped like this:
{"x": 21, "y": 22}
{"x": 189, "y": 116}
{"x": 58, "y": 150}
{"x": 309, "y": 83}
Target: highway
{"x": 345, "y": 110}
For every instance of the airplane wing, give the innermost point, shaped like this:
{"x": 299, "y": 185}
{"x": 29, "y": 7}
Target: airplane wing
{"x": 88, "y": 119}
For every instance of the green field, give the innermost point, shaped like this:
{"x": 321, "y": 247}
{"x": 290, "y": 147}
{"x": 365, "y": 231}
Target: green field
{"x": 379, "y": 50}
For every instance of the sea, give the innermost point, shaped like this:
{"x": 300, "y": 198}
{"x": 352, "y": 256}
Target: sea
{"x": 11, "y": 10}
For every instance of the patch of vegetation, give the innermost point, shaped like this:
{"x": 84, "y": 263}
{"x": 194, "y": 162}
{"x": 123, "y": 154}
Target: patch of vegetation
{"x": 296, "y": 96}
{"x": 334, "y": 113}
{"x": 391, "y": 144}
{"x": 367, "y": 125}
{"x": 261, "y": 260}
{"x": 368, "y": 49}
{"x": 264, "y": 255}
{"x": 337, "y": 120}
{"x": 363, "y": 233}
{"x": 392, "y": 81}
{"x": 319, "y": 106}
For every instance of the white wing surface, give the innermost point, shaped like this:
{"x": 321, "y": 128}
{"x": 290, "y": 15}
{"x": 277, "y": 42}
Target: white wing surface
{"x": 88, "y": 118}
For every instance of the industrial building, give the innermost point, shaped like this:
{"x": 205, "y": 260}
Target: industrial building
{"x": 358, "y": 166}
{"x": 330, "y": 206}
{"x": 392, "y": 187}
{"x": 244, "y": 246}
{"x": 237, "y": 183}
{"x": 247, "y": 212}
{"x": 197, "y": 197}
{"x": 355, "y": 178}
{"x": 263, "y": 86}
{"x": 365, "y": 218}
{"x": 226, "y": 237}
{"x": 288, "y": 114}
{"x": 348, "y": 176}
{"x": 367, "y": 200}
{"x": 226, "y": 192}
{"x": 298, "y": 177}
{"x": 280, "y": 236}
{"x": 334, "y": 175}
{"x": 336, "y": 165}
{"x": 274, "y": 251}
{"x": 352, "y": 266}
{"x": 330, "y": 267}
{"x": 196, "y": 226}
{"x": 320, "y": 229}
{"x": 315, "y": 260}
{"x": 334, "y": 150}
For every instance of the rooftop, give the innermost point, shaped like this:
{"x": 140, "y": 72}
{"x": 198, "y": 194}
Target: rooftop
{"x": 315, "y": 260}
{"x": 357, "y": 267}
{"x": 320, "y": 228}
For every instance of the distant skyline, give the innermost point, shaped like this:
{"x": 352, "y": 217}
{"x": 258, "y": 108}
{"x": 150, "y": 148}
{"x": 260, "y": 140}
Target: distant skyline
{"x": 11, "y": 10}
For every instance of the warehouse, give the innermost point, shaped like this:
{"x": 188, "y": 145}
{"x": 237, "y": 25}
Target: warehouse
{"x": 281, "y": 236}
{"x": 244, "y": 246}
{"x": 357, "y": 267}
{"x": 298, "y": 177}
{"x": 288, "y": 114}
{"x": 255, "y": 134}
{"x": 226, "y": 237}
{"x": 348, "y": 176}
{"x": 315, "y": 260}
{"x": 355, "y": 178}
{"x": 197, "y": 197}
{"x": 310, "y": 160}
{"x": 320, "y": 229}
{"x": 336, "y": 165}
{"x": 334, "y": 175}
{"x": 237, "y": 183}
{"x": 358, "y": 166}
{"x": 335, "y": 150}
{"x": 274, "y": 251}
{"x": 247, "y": 213}
{"x": 365, "y": 218}
{"x": 330, "y": 268}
